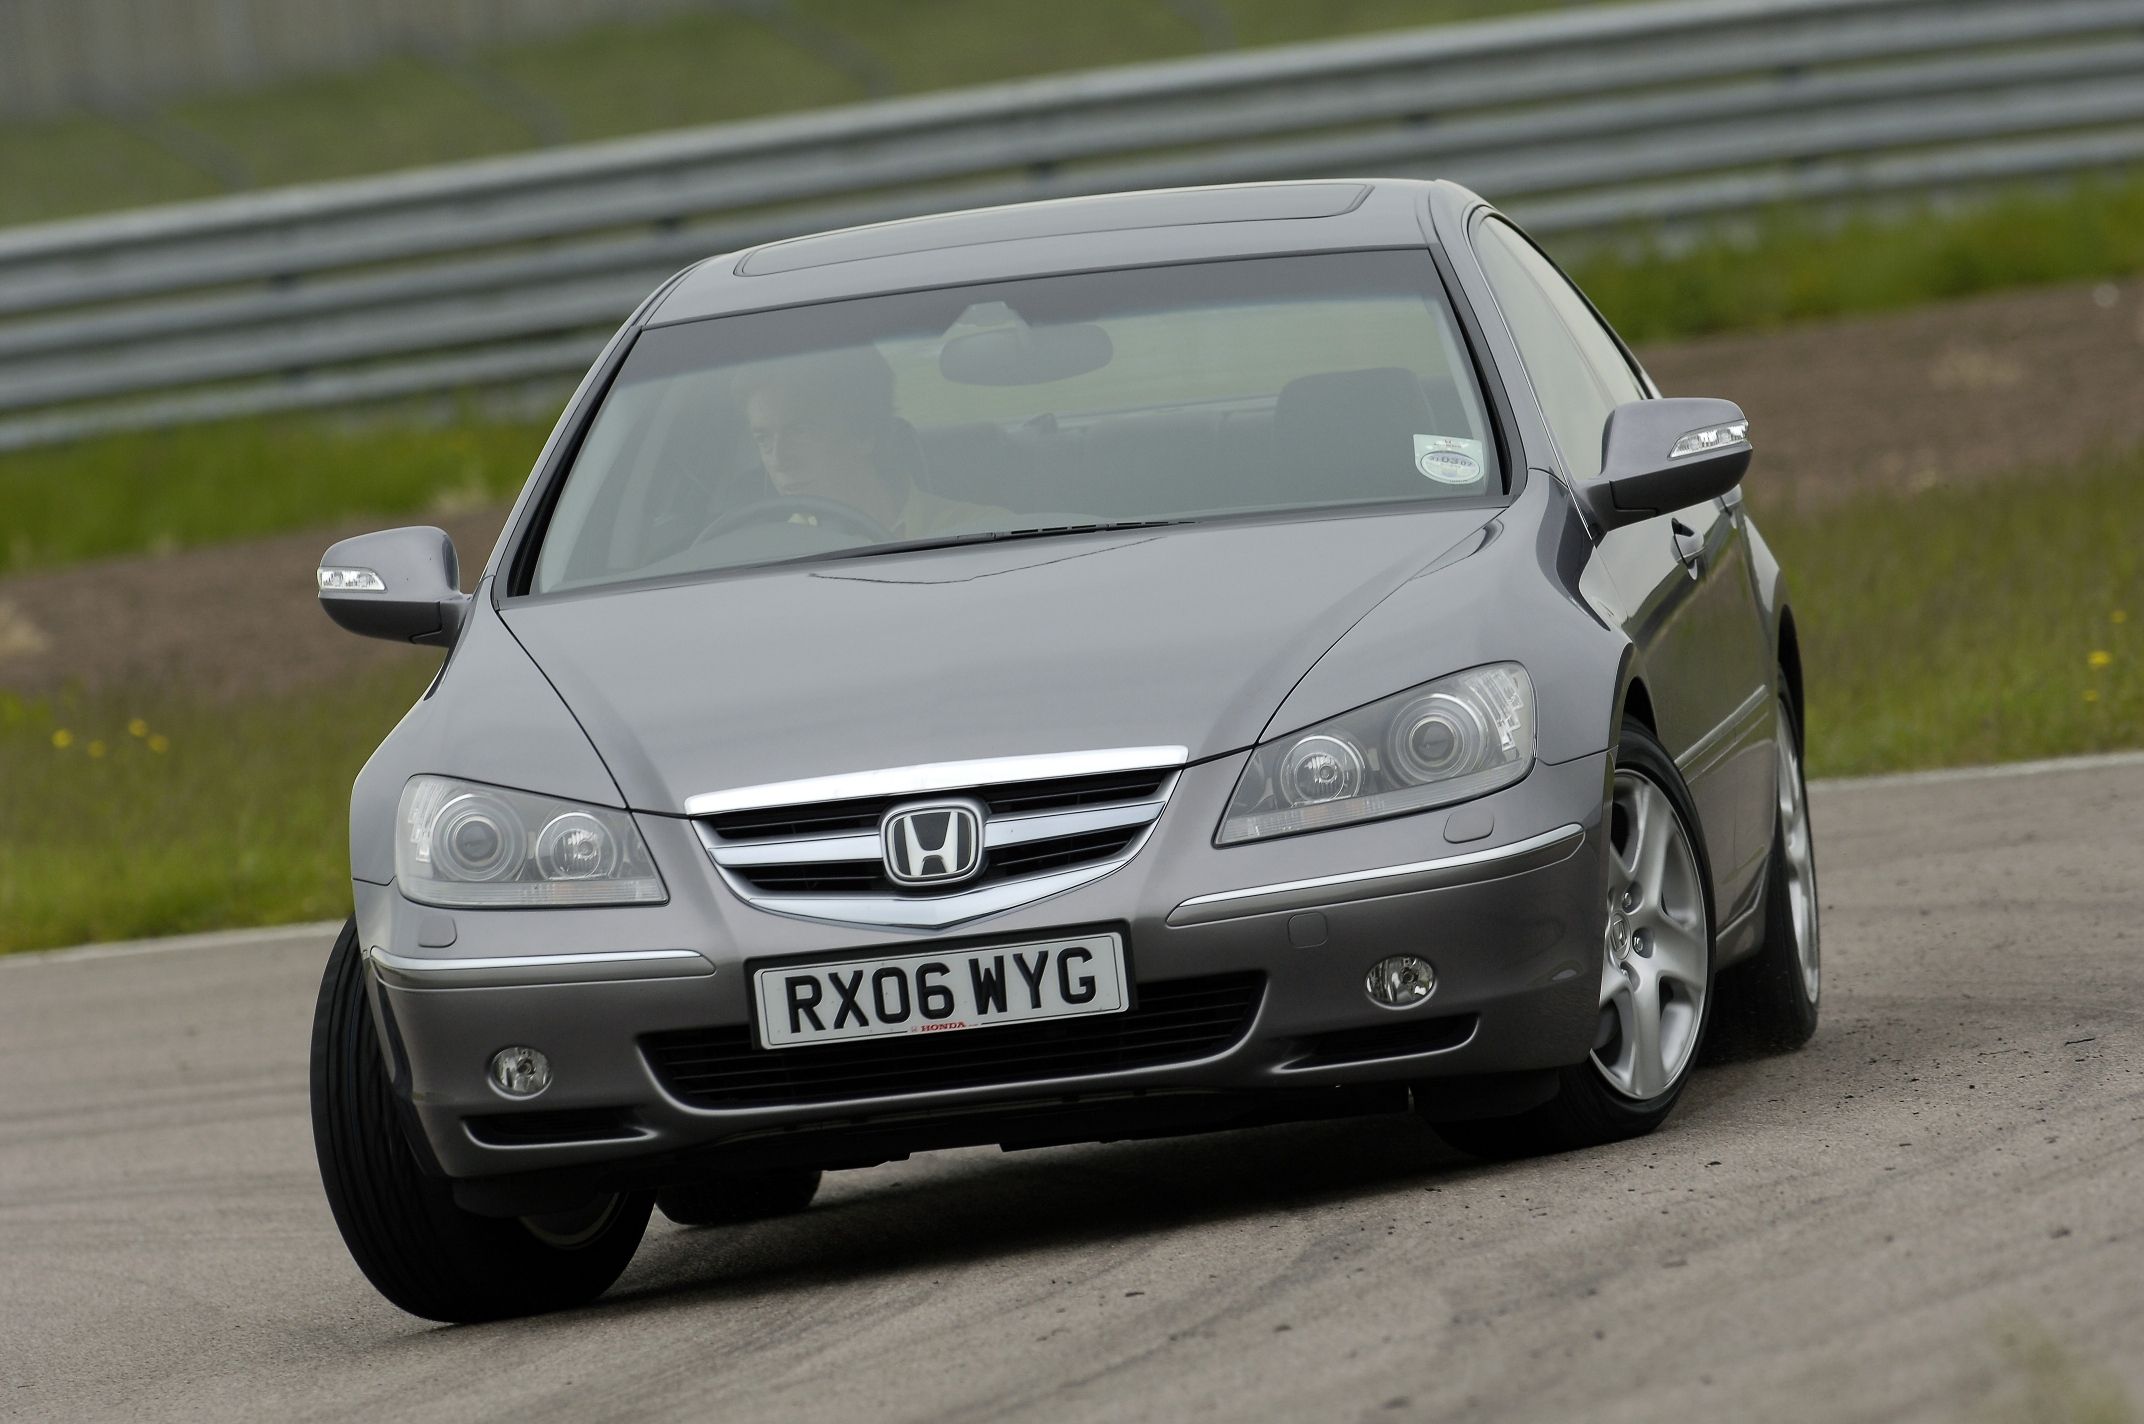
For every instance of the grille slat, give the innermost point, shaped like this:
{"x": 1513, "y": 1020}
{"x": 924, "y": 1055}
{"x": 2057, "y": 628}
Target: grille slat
{"x": 1175, "y": 1021}
{"x": 1048, "y": 827}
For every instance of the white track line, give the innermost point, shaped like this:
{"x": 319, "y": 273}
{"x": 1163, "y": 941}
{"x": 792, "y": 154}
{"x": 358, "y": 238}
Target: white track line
{"x": 215, "y": 939}
{"x": 324, "y": 928}
{"x": 1999, "y": 771}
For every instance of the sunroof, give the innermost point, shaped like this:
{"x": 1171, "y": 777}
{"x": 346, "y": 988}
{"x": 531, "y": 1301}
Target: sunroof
{"x": 1280, "y": 202}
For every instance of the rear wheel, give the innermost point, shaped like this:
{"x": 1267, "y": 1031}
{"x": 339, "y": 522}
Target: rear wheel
{"x": 402, "y": 1226}
{"x": 1655, "y": 973}
{"x": 1770, "y": 1003}
{"x": 735, "y": 1197}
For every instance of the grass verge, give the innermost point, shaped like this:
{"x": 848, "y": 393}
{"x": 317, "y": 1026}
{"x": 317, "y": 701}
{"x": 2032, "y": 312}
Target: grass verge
{"x": 1789, "y": 267}
{"x": 710, "y": 65}
{"x": 132, "y": 816}
{"x": 1987, "y": 623}
{"x": 205, "y": 484}
{"x": 1995, "y": 622}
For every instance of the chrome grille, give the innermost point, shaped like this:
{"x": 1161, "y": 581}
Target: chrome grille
{"x": 1043, "y": 835}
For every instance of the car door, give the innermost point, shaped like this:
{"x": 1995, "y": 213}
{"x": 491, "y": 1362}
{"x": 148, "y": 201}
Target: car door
{"x": 1683, "y": 579}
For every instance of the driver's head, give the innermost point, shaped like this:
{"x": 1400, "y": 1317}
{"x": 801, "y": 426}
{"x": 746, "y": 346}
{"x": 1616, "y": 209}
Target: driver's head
{"x": 820, "y": 421}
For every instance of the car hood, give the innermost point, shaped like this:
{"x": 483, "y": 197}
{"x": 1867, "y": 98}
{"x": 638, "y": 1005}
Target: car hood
{"x": 1181, "y": 637}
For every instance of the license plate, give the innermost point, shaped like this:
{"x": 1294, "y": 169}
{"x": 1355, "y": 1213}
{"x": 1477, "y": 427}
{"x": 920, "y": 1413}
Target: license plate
{"x": 940, "y": 991}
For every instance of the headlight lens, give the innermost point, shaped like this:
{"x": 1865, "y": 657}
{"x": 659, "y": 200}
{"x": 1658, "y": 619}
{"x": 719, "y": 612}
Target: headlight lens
{"x": 467, "y": 845}
{"x": 1450, "y": 740}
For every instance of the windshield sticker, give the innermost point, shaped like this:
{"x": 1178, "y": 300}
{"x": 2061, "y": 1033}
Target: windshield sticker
{"x": 1447, "y": 459}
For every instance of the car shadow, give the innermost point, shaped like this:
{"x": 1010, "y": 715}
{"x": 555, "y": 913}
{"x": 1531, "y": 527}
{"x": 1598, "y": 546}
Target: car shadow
{"x": 976, "y": 1204}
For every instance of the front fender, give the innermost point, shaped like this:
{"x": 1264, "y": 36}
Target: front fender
{"x": 1515, "y": 596}
{"x": 491, "y": 716}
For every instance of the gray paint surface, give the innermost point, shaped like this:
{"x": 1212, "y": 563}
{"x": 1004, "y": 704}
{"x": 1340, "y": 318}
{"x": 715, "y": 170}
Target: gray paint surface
{"x": 1841, "y": 1234}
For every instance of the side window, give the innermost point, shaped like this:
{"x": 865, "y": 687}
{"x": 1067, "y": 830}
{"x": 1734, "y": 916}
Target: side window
{"x": 1577, "y": 369}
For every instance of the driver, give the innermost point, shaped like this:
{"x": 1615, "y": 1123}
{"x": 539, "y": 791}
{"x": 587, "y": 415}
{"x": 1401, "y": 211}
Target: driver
{"x": 826, "y": 428}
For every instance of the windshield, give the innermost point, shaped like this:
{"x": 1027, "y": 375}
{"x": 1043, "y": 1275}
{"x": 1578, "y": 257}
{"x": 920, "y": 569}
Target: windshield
{"x": 1016, "y": 409}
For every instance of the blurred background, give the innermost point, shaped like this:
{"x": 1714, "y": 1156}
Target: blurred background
{"x": 277, "y": 271}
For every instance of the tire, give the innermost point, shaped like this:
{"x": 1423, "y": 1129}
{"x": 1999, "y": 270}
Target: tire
{"x": 1658, "y": 948}
{"x": 1769, "y": 1003}
{"x": 413, "y": 1243}
{"x": 733, "y": 1198}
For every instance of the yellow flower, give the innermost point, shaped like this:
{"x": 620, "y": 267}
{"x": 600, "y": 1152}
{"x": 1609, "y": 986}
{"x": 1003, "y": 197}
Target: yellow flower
{"x": 2098, "y": 657}
{"x": 137, "y": 728}
{"x": 63, "y": 739}
{"x": 2091, "y": 694}
{"x": 2119, "y": 615}
{"x": 96, "y": 749}
{"x": 158, "y": 742}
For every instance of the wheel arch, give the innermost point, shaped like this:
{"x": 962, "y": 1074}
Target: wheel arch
{"x": 1789, "y": 645}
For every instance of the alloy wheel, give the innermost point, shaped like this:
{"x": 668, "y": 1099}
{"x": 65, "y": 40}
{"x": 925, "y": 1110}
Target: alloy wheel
{"x": 1800, "y": 856}
{"x": 1655, "y": 962}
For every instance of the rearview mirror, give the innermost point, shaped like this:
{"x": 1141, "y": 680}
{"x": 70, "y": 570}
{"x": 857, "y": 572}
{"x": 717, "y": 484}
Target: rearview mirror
{"x": 1659, "y": 456}
{"x": 1023, "y": 355}
{"x": 401, "y": 584}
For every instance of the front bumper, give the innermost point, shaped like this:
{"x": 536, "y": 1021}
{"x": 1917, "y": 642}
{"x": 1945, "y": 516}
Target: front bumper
{"x": 1511, "y": 920}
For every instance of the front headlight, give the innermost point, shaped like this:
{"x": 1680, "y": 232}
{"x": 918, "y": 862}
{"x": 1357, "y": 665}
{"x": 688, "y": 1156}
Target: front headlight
{"x": 1445, "y": 741}
{"x": 462, "y": 844}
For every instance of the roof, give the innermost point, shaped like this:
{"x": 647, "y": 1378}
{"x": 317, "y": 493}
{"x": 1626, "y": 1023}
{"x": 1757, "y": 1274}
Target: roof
{"x": 1062, "y": 235}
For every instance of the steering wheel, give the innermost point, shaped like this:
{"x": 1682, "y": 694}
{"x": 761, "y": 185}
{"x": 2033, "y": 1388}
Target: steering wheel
{"x": 782, "y": 507}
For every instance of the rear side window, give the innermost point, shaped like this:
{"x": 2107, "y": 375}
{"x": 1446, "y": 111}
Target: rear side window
{"x": 1578, "y": 371}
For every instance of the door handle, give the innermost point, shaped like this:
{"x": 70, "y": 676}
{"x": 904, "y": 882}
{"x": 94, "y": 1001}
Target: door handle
{"x": 1689, "y": 547}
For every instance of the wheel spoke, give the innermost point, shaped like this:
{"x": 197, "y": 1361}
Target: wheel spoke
{"x": 1677, "y": 954}
{"x": 1648, "y": 1073}
{"x": 1653, "y": 846}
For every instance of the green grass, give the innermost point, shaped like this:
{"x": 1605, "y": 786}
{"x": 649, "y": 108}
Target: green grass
{"x": 206, "y": 484}
{"x": 212, "y": 817}
{"x": 61, "y": 167}
{"x": 609, "y": 80}
{"x": 1984, "y": 623}
{"x": 1793, "y": 268}
{"x": 1956, "y": 626}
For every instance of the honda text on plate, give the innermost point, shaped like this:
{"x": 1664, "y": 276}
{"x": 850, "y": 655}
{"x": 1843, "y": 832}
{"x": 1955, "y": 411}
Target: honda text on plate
{"x": 1095, "y": 669}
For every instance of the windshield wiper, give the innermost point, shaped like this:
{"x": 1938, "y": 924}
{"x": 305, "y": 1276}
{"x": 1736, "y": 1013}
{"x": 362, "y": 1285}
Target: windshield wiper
{"x": 995, "y": 536}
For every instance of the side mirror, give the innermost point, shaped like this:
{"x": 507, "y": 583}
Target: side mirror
{"x": 400, "y": 584}
{"x": 1663, "y": 455}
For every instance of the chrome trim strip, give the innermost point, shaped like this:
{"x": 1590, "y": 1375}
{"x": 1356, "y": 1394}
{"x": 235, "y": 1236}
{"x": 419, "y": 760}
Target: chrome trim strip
{"x": 1699, "y": 750}
{"x": 633, "y": 1134}
{"x": 935, "y": 776}
{"x": 1049, "y": 825}
{"x": 1494, "y": 863}
{"x": 504, "y": 971}
{"x": 936, "y": 911}
{"x": 804, "y": 850}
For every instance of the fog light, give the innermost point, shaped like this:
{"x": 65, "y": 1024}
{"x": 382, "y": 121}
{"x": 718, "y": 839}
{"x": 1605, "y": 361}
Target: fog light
{"x": 520, "y": 1072}
{"x": 1400, "y": 982}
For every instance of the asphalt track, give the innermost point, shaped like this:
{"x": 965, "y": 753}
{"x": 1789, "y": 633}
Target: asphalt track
{"x": 1935, "y": 1211}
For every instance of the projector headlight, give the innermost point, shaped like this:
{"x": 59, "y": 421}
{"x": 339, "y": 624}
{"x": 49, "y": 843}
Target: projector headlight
{"x": 1450, "y": 740}
{"x": 466, "y": 845}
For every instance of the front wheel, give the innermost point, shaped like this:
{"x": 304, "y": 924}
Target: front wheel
{"x": 1655, "y": 973}
{"x": 413, "y": 1243}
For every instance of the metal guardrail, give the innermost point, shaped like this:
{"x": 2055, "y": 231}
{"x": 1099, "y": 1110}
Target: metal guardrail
{"x": 514, "y": 269}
